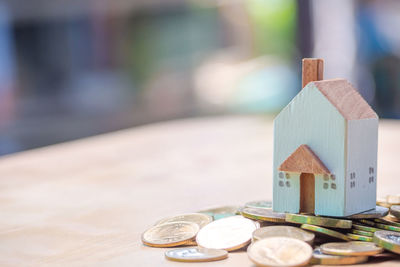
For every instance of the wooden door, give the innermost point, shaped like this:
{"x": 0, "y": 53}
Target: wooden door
{"x": 307, "y": 193}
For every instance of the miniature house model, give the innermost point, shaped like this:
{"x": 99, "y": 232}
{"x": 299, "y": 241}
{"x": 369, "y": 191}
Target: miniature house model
{"x": 325, "y": 149}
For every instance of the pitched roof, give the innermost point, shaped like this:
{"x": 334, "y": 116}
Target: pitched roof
{"x": 345, "y": 98}
{"x": 303, "y": 159}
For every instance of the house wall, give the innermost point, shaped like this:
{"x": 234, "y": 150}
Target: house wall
{"x": 362, "y": 147}
{"x": 289, "y": 186}
{"x": 328, "y": 200}
{"x": 312, "y": 120}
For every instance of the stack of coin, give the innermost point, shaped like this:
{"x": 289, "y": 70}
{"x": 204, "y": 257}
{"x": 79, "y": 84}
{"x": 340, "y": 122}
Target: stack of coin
{"x": 319, "y": 257}
{"x": 170, "y": 234}
{"x": 393, "y": 199}
{"x": 284, "y": 240}
{"x": 263, "y": 214}
{"x": 353, "y": 248}
{"x": 259, "y": 204}
{"x": 221, "y": 212}
{"x": 388, "y": 240}
{"x": 176, "y": 231}
{"x": 395, "y": 212}
{"x": 388, "y": 201}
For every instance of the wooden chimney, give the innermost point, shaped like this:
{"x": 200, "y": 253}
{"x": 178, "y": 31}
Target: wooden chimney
{"x": 312, "y": 70}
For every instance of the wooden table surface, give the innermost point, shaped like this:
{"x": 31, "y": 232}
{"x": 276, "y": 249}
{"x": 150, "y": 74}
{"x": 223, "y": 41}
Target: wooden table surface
{"x": 86, "y": 203}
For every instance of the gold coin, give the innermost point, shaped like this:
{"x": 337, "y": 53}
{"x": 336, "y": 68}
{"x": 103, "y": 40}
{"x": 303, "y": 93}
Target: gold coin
{"x": 283, "y": 230}
{"x": 196, "y": 254}
{"x": 325, "y": 259}
{"x": 317, "y": 220}
{"x": 383, "y": 223}
{"x": 389, "y": 219}
{"x": 280, "y": 251}
{"x": 222, "y": 212}
{"x": 367, "y": 222}
{"x": 259, "y": 204}
{"x": 199, "y": 218}
{"x": 393, "y": 199}
{"x": 359, "y": 237}
{"x": 395, "y": 211}
{"x": 378, "y": 212}
{"x": 263, "y": 214}
{"x": 388, "y": 240}
{"x": 191, "y": 242}
{"x": 229, "y": 233}
{"x": 383, "y": 203}
{"x": 170, "y": 234}
{"x": 353, "y": 248}
{"x": 325, "y": 231}
{"x": 364, "y": 233}
{"x": 388, "y": 227}
{"x": 365, "y": 228}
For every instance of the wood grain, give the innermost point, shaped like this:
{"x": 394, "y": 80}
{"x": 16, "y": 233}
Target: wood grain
{"x": 304, "y": 160}
{"x": 362, "y": 149}
{"x": 307, "y": 193}
{"x": 86, "y": 203}
{"x": 346, "y": 99}
{"x": 312, "y": 70}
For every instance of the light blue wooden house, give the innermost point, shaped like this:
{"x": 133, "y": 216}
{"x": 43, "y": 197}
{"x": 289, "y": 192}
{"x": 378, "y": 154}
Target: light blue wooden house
{"x": 325, "y": 152}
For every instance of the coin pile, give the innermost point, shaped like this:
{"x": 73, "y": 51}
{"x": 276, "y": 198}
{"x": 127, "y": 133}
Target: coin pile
{"x": 388, "y": 201}
{"x": 278, "y": 239}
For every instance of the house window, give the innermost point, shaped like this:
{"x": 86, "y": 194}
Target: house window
{"x": 333, "y": 177}
{"x": 326, "y": 178}
{"x": 281, "y": 184}
{"x": 352, "y": 175}
{"x": 287, "y": 175}
{"x": 371, "y": 170}
{"x": 325, "y": 185}
{"x": 333, "y": 185}
{"x": 371, "y": 179}
{"x": 287, "y": 183}
{"x": 352, "y": 184}
{"x": 281, "y": 175}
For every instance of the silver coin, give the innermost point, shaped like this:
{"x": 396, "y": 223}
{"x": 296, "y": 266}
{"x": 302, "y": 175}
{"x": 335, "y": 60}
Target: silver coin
{"x": 395, "y": 211}
{"x": 196, "y": 254}
{"x": 170, "y": 234}
{"x": 352, "y": 248}
{"x": 283, "y": 230}
{"x": 221, "y": 212}
{"x": 259, "y": 204}
{"x": 280, "y": 251}
{"x": 198, "y": 218}
{"x": 229, "y": 233}
{"x": 326, "y": 259}
{"x": 388, "y": 239}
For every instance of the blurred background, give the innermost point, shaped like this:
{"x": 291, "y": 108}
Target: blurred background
{"x": 71, "y": 69}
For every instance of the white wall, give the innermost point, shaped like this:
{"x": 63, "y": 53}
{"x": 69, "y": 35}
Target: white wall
{"x": 362, "y": 146}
